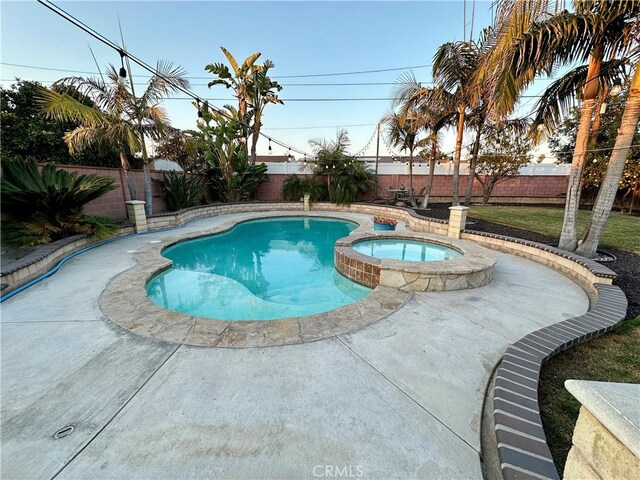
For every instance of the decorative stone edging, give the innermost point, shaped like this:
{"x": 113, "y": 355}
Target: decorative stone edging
{"x": 125, "y": 302}
{"x": 522, "y": 444}
{"x": 473, "y": 269}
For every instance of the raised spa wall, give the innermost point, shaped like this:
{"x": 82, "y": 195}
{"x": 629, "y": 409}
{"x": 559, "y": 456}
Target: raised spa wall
{"x": 473, "y": 269}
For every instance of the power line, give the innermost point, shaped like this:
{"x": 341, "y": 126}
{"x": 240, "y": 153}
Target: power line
{"x": 343, "y": 84}
{"x": 324, "y": 126}
{"x": 71, "y": 19}
{"x": 355, "y": 73}
{"x": 314, "y": 75}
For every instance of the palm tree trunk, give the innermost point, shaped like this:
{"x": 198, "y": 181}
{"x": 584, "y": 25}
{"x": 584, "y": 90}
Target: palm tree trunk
{"x": 457, "y": 155}
{"x": 597, "y": 115}
{"x": 412, "y": 200}
{"x": 609, "y": 187}
{"x": 432, "y": 169}
{"x": 254, "y": 142}
{"x": 472, "y": 167}
{"x": 568, "y": 237}
{"x": 148, "y": 192}
{"x": 125, "y": 169}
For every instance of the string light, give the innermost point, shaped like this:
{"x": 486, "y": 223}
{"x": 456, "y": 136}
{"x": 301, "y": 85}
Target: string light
{"x": 270, "y": 150}
{"x": 123, "y": 71}
{"x": 191, "y": 96}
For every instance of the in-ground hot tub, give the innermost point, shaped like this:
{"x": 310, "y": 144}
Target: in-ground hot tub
{"x": 413, "y": 261}
{"x": 407, "y": 250}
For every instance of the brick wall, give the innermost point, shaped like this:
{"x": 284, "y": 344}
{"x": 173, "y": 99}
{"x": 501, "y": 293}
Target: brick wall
{"x": 541, "y": 186}
{"x": 531, "y": 187}
{"x": 112, "y": 203}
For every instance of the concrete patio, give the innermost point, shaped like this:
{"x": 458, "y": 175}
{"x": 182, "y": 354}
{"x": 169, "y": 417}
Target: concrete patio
{"x": 400, "y": 398}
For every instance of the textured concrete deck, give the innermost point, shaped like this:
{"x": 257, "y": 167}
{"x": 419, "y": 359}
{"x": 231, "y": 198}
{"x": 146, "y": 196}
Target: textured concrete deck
{"x": 400, "y": 398}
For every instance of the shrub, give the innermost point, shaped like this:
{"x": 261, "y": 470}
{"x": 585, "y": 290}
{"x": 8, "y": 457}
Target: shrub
{"x": 180, "y": 190}
{"x": 240, "y": 185}
{"x": 295, "y": 187}
{"x": 47, "y": 205}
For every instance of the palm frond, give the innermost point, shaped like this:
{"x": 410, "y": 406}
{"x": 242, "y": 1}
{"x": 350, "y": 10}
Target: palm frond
{"x": 563, "y": 94}
{"x": 65, "y": 108}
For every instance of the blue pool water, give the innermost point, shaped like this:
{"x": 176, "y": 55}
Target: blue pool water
{"x": 410, "y": 250}
{"x": 259, "y": 270}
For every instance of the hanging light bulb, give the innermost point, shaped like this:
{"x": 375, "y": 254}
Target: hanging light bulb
{"x": 617, "y": 86}
{"x": 270, "y": 151}
{"x": 289, "y": 154}
{"x": 123, "y": 71}
{"x": 199, "y": 109}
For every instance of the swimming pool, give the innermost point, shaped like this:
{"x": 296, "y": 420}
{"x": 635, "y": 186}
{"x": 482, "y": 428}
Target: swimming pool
{"x": 409, "y": 250}
{"x": 259, "y": 270}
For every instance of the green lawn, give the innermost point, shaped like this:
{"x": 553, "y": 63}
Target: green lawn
{"x": 622, "y": 231}
{"x": 614, "y": 357}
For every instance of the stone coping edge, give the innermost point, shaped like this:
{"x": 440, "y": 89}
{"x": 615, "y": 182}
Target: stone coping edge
{"x": 522, "y": 444}
{"x": 125, "y": 302}
{"x": 20, "y": 272}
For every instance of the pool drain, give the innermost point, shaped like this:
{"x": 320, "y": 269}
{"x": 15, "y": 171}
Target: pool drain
{"x": 64, "y": 432}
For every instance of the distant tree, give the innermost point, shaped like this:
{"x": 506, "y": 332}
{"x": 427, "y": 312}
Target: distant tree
{"x": 562, "y": 144}
{"x": 179, "y": 147}
{"x": 28, "y": 133}
{"x": 502, "y": 154}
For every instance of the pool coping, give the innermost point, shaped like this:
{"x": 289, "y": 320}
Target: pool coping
{"x": 125, "y": 302}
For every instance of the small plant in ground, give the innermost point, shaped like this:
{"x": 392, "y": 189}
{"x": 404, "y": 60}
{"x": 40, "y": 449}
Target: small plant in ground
{"x": 47, "y": 205}
{"x": 385, "y": 221}
{"x": 180, "y": 190}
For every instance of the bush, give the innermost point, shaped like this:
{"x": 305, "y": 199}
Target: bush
{"x": 241, "y": 185}
{"x": 180, "y": 190}
{"x": 47, "y": 205}
{"x": 294, "y": 187}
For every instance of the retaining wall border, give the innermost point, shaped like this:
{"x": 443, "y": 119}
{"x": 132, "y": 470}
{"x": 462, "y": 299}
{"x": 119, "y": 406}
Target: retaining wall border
{"x": 522, "y": 445}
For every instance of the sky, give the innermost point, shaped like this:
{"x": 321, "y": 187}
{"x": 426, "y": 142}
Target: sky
{"x": 307, "y": 41}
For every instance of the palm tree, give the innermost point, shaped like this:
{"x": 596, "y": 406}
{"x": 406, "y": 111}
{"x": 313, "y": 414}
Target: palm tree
{"x": 239, "y": 81}
{"x": 438, "y": 110}
{"x": 403, "y": 130}
{"x": 115, "y": 117}
{"x": 167, "y": 80}
{"x": 252, "y": 87}
{"x": 454, "y": 66}
{"x": 528, "y": 40}
{"x": 262, "y": 91}
{"x": 609, "y": 186}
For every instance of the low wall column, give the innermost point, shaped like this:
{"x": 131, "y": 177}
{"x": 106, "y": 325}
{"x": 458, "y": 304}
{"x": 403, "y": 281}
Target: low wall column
{"x": 307, "y": 202}
{"x": 457, "y": 221}
{"x": 135, "y": 213}
{"x": 606, "y": 439}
